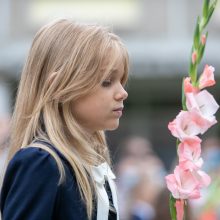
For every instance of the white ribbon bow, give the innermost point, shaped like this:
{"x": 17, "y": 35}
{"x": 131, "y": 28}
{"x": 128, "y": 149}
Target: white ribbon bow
{"x": 100, "y": 174}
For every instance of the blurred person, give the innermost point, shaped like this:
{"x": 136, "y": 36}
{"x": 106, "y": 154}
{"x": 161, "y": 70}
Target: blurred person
{"x": 71, "y": 91}
{"x": 207, "y": 207}
{"x": 162, "y": 210}
{"x": 140, "y": 179}
{"x": 211, "y": 155}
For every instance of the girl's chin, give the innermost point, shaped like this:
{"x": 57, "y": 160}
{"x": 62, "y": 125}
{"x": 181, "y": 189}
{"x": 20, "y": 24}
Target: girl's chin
{"x": 112, "y": 127}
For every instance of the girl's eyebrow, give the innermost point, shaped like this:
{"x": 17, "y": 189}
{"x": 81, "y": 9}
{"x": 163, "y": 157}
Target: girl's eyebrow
{"x": 112, "y": 72}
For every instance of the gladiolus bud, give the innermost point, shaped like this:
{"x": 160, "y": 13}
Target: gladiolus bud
{"x": 203, "y": 39}
{"x": 194, "y": 57}
{"x": 179, "y": 209}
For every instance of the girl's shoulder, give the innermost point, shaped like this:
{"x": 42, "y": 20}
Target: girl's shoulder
{"x": 33, "y": 161}
{"x": 30, "y": 153}
{"x": 38, "y": 150}
{"x": 43, "y": 159}
{"x": 41, "y": 154}
{"x": 32, "y": 176}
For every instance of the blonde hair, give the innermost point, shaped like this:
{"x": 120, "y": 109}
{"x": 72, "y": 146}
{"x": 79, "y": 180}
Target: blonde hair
{"x": 64, "y": 64}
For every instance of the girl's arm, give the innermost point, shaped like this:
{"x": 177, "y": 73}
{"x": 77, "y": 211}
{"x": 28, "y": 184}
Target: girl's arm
{"x": 30, "y": 186}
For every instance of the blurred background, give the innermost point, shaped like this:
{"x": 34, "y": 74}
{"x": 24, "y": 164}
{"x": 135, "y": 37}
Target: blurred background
{"x": 158, "y": 35}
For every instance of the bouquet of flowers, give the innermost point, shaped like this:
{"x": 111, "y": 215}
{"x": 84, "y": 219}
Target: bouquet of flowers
{"x": 195, "y": 118}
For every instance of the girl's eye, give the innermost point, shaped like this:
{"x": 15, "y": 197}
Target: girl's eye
{"x": 106, "y": 83}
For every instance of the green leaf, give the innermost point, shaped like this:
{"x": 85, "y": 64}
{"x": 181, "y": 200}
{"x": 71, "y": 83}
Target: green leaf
{"x": 191, "y": 64}
{"x": 210, "y": 12}
{"x": 190, "y": 69}
{"x": 205, "y": 8}
{"x": 206, "y": 35}
{"x": 172, "y": 207}
{"x": 193, "y": 73}
{"x": 197, "y": 34}
{"x": 183, "y": 97}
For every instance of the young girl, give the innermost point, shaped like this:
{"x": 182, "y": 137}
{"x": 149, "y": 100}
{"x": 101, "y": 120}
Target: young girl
{"x": 71, "y": 90}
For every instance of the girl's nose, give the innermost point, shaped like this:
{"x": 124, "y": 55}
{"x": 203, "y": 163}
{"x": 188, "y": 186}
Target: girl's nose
{"x": 122, "y": 94}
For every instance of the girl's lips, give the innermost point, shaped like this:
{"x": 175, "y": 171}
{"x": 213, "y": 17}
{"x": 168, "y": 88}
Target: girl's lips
{"x": 118, "y": 111}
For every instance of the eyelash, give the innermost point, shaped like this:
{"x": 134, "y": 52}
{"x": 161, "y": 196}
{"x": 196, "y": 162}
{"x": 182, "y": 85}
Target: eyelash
{"x": 107, "y": 83}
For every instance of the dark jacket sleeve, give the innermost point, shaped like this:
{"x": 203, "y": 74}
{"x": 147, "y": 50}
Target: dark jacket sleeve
{"x": 30, "y": 186}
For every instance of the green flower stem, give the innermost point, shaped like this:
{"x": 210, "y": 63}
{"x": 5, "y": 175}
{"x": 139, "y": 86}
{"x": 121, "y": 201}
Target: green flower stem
{"x": 172, "y": 207}
{"x": 193, "y": 74}
{"x": 183, "y": 97}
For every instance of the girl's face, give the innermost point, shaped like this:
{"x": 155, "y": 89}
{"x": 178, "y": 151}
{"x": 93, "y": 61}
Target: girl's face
{"x": 102, "y": 109}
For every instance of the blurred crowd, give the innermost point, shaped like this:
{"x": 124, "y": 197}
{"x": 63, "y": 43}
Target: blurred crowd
{"x": 140, "y": 180}
{"x": 141, "y": 186}
{"x": 207, "y": 207}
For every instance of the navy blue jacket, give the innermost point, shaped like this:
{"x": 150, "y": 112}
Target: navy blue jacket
{"x": 30, "y": 189}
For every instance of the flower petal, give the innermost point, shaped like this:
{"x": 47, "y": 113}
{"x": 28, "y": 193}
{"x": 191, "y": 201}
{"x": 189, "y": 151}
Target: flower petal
{"x": 207, "y": 77}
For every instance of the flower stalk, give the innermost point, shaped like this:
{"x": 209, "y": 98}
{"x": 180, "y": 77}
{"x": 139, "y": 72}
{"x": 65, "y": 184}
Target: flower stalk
{"x": 195, "y": 118}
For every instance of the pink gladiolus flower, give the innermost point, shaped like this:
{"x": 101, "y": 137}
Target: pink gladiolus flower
{"x": 194, "y": 57}
{"x": 186, "y": 184}
{"x": 188, "y": 87}
{"x": 189, "y": 152}
{"x": 207, "y": 77}
{"x": 183, "y": 184}
{"x": 179, "y": 209}
{"x": 203, "y": 102}
{"x": 203, "y": 39}
{"x": 188, "y": 124}
{"x": 202, "y": 177}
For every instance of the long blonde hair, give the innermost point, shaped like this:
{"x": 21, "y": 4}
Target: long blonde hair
{"x": 64, "y": 64}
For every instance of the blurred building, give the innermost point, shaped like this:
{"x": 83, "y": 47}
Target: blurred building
{"x": 158, "y": 35}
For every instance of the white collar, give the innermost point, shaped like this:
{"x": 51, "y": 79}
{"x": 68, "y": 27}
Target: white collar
{"x": 100, "y": 174}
